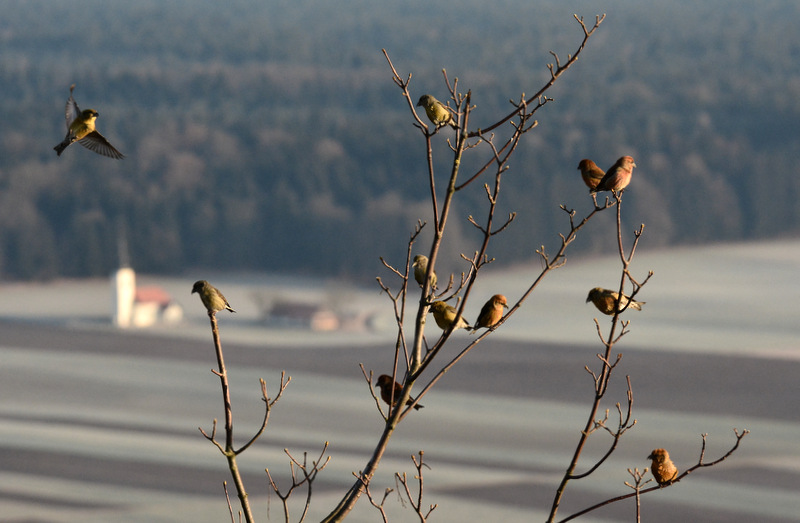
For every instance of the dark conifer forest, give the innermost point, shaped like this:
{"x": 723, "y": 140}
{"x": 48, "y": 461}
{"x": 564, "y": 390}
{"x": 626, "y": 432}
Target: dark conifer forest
{"x": 268, "y": 136}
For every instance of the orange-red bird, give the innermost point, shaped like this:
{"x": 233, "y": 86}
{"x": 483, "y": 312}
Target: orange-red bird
{"x": 617, "y": 177}
{"x": 491, "y": 312}
{"x": 591, "y": 173}
{"x": 386, "y": 384}
{"x": 662, "y": 468}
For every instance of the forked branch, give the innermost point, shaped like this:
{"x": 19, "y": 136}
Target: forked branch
{"x": 302, "y": 474}
{"x": 416, "y": 501}
{"x": 700, "y": 464}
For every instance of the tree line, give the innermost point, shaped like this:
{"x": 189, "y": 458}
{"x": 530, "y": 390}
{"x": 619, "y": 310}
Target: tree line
{"x": 269, "y": 137}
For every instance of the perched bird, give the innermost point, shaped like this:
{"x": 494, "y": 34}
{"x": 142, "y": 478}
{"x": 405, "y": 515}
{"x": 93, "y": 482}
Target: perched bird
{"x": 617, "y": 177}
{"x": 386, "y": 384}
{"x": 591, "y": 173}
{"x": 491, "y": 312}
{"x": 604, "y": 300}
{"x": 445, "y": 315}
{"x": 211, "y": 297}
{"x": 662, "y": 468}
{"x": 80, "y": 128}
{"x": 437, "y": 112}
{"x": 421, "y": 269}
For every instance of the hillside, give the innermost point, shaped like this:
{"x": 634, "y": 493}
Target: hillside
{"x": 269, "y": 136}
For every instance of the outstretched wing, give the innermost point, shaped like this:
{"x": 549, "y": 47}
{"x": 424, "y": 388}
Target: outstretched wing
{"x": 71, "y": 111}
{"x": 95, "y": 141}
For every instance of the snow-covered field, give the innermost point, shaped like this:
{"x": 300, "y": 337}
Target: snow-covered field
{"x": 101, "y": 425}
{"x": 727, "y": 299}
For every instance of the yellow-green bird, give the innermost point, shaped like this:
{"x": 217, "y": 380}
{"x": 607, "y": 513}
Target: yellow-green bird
{"x": 437, "y": 112}
{"x": 445, "y": 315}
{"x": 213, "y": 300}
{"x": 420, "y": 266}
{"x": 604, "y": 300}
{"x": 81, "y": 129}
{"x": 491, "y": 312}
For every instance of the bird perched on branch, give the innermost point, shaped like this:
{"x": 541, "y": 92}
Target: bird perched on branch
{"x": 662, "y": 468}
{"x": 617, "y": 177}
{"x": 591, "y": 173}
{"x": 387, "y": 384}
{"x": 445, "y": 315}
{"x": 420, "y": 266}
{"x": 81, "y": 129}
{"x": 213, "y": 300}
{"x": 491, "y": 312}
{"x": 605, "y": 299}
{"x": 437, "y": 112}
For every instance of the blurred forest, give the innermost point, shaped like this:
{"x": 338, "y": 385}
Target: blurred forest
{"x": 268, "y": 136}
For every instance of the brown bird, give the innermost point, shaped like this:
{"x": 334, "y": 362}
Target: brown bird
{"x": 445, "y": 315}
{"x": 605, "y": 299}
{"x": 386, "y": 384}
{"x": 213, "y": 300}
{"x": 591, "y": 173}
{"x": 662, "y": 468}
{"x": 491, "y": 312}
{"x": 617, "y": 177}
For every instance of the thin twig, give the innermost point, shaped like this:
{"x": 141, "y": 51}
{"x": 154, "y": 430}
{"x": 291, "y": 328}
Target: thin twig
{"x": 698, "y": 465}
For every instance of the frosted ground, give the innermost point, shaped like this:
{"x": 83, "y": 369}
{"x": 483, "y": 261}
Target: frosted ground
{"x": 99, "y": 425}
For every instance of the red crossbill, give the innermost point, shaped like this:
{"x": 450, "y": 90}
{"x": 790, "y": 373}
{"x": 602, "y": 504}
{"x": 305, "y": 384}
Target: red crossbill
{"x": 605, "y": 299}
{"x": 387, "y": 384}
{"x": 617, "y": 177}
{"x": 420, "y": 266}
{"x": 445, "y": 315}
{"x": 591, "y": 173}
{"x": 437, "y": 112}
{"x": 213, "y": 300}
{"x": 491, "y": 312}
{"x": 662, "y": 468}
{"x": 81, "y": 129}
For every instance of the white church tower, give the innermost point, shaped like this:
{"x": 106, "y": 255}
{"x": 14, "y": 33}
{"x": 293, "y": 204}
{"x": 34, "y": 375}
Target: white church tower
{"x": 123, "y": 286}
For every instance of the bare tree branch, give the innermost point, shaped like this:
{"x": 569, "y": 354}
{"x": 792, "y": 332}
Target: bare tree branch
{"x": 420, "y": 355}
{"x": 302, "y": 474}
{"x": 416, "y": 505}
{"x": 700, "y": 464}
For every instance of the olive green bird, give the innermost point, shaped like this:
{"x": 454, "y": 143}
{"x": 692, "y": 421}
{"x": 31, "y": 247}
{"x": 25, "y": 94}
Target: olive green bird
{"x": 420, "y": 266}
{"x": 213, "y": 300}
{"x": 445, "y": 315}
{"x": 81, "y": 129}
{"x": 604, "y": 300}
{"x": 437, "y": 112}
